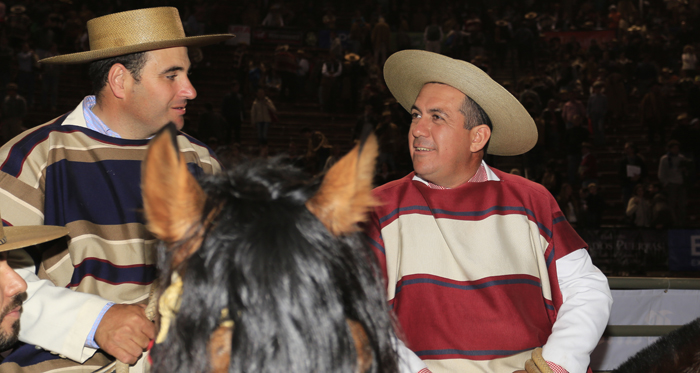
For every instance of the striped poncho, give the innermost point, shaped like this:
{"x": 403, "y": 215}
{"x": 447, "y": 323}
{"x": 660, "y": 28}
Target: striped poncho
{"x": 62, "y": 173}
{"x": 470, "y": 271}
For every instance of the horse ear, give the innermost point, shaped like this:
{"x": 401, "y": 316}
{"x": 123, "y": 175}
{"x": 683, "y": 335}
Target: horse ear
{"x": 172, "y": 199}
{"x": 345, "y": 195}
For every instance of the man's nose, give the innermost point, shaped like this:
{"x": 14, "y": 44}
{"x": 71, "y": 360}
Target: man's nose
{"x": 12, "y": 283}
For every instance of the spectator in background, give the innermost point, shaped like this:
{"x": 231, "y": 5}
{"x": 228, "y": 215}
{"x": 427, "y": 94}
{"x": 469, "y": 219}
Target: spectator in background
{"x": 212, "y": 127}
{"x": 262, "y": 115}
{"x": 529, "y": 98}
{"x": 390, "y": 140}
{"x": 661, "y": 214}
{"x": 17, "y": 26}
{"x": 631, "y": 170}
{"x": 617, "y": 94}
{"x": 7, "y": 58}
{"x": 359, "y": 31}
{"x": 14, "y": 109}
{"x": 274, "y": 17}
{"x": 381, "y": 39}
{"x": 331, "y": 70}
{"x": 239, "y": 63}
{"x": 432, "y": 36}
{"x": 672, "y": 166}
{"x": 303, "y": 68}
{"x": 272, "y": 82}
{"x": 27, "y": 64}
{"x": 654, "y": 108}
{"x": 195, "y": 24}
{"x": 693, "y": 100}
{"x": 588, "y": 168}
{"x": 329, "y": 19}
{"x": 551, "y": 179}
{"x": 524, "y": 40}
{"x": 318, "y": 149}
{"x": 689, "y": 62}
{"x": 50, "y": 78}
{"x": 403, "y": 39}
{"x": 597, "y": 110}
{"x": 232, "y": 110}
{"x": 367, "y": 119}
{"x": 639, "y": 208}
{"x": 613, "y": 17}
{"x": 554, "y": 128}
{"x": 287, "y": 66}
{"x": 573, "y": 108}
{"x": 336, "y": 48}
{"x": 569, "y": 204}
{"x": 593, "y": 206}
{"x": 575, "y": 137}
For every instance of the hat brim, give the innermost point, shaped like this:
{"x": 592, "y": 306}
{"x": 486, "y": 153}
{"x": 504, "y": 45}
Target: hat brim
{"x": 406, "y": 72}
{"x": 89, "y": 56}
{"x": 23, "y": 236}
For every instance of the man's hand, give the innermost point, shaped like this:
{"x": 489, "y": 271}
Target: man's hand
{"x": 125, "y": 332}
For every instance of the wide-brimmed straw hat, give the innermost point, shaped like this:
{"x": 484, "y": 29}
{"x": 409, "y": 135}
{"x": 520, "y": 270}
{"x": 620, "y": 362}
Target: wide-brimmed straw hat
{"x": 514, "y": 131}
{"x": 22, "y": 236}
{"x": 135, "y": 31}
{"x": 352, "y": 57}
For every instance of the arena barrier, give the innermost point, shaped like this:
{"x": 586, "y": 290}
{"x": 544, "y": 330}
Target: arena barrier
{"x": 644, "y": 308}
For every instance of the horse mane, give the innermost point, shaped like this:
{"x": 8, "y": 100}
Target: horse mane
{"x": 678, "y": 351}
{"x": 289, "y": 285}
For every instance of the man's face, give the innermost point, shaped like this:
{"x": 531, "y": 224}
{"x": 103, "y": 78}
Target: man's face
{"x": 162, "y": 92}
{"x": 438, "y": 142}
{"x": 13, "y": 294}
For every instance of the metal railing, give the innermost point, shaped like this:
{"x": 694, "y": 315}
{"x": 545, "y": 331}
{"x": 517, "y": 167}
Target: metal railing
{"x": 655, "y": 283}
{"x": 661, "y": 283}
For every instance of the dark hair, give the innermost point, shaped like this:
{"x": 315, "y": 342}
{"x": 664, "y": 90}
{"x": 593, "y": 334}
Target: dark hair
{"x": 475, "y": 115}
{"x": 289, "y": 285}
{"x": 99, "y": 70}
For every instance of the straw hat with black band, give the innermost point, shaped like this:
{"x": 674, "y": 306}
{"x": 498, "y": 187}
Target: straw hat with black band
{"x": 135, "y": 31}
{"x": 22, "y": 236}
{"x": 514, "y": 131}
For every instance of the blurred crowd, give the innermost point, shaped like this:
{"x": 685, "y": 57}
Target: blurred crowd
{"x": 613, "y": 86}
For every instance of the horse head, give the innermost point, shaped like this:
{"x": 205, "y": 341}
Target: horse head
{"x": 263, "y": 268}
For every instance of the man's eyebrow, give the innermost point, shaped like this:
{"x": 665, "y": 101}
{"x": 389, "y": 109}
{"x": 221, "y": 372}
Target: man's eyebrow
{"x": 414, "y": 107}
{"x": 439, "y": 111}
{"x": 173, "y": 69}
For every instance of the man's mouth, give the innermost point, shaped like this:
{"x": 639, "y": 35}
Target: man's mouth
{"x": 422, "y": 149}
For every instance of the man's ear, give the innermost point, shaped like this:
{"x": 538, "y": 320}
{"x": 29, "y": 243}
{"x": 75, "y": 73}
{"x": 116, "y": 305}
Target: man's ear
{"x": 480, "y": 136}
{"x": 116, "y": 80}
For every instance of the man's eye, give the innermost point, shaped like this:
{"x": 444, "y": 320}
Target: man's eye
{"x": 415, "y": 115}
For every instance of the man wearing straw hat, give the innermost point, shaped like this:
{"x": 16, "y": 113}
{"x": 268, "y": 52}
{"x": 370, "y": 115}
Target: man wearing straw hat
{"x": 82, "y": 170}
{"x": 12, "y": 285}
{"x": 483, "y": 271}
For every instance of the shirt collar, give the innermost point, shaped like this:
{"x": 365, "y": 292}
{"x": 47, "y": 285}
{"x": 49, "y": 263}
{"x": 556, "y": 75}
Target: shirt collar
{"x": 92, "y": 121}
{"x": 484, "y": 173}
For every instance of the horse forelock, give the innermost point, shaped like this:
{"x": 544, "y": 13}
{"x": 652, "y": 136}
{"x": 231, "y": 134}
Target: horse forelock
{"x": 289, "y": 284}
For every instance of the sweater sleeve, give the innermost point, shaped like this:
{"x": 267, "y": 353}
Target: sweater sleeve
{"x": 583, "y": 314}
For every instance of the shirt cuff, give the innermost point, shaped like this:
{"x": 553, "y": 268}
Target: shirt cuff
{"x": 90, "y": 341}
{"x": 556, "y": 368}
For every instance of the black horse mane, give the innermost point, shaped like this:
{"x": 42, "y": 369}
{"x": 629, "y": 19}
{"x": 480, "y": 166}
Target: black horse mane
{"x": 677, "y": 352}
{"x": 288, "y": 283}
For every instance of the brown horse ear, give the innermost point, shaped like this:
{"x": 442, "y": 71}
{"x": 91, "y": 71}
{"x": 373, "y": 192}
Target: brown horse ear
{"x": 345, "y": 196}
{"x": 172, "y": 199}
